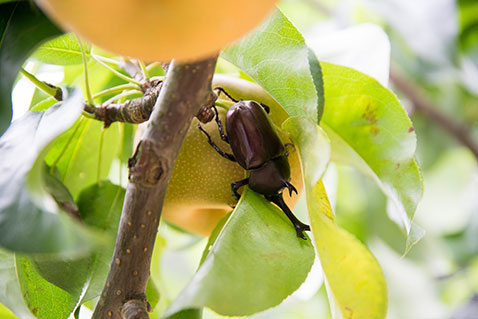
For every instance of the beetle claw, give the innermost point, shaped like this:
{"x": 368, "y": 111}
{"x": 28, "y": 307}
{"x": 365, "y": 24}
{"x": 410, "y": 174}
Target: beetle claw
{"x": 266, "y": 108}
{"x": 300, "y": 229}
{"x": 290, "y": 187}
{"x": 300, "y": 234}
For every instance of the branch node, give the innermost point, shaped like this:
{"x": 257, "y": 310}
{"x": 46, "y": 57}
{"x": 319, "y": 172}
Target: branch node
{"x": 145, "y": 166}
{"x": 135, "y": 309}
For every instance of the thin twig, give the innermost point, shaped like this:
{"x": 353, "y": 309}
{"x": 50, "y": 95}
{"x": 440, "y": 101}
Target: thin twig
{"x": 421, "y": 104}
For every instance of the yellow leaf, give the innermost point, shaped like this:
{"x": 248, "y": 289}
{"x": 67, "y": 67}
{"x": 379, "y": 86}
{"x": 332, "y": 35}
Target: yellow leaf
{"x": 354, "y": 276}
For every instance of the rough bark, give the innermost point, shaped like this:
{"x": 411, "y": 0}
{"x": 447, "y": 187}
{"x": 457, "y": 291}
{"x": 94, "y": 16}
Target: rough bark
{"x": 187, "y": 87}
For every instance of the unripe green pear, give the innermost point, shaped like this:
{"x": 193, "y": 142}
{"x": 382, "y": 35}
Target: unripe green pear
{"x": 199, "y": 193}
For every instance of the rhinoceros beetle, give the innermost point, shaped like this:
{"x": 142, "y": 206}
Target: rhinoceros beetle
{"x": 257, "y": 148}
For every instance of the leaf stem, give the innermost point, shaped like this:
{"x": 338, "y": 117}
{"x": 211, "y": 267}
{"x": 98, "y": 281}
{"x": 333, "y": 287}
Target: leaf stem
{"x": 115, "y": 89}
{"x": 100, "y": 153}
{"x": 115, "y": 72}
{"x": 121, "y": 128}
{"x": 49, "y": 89}
{"x": 152, "y": 65}
{"x": 89, "y": 97}
{"x": 143, "y": 69}
{"x": 107, "y": 60}
{"x": 121, "y": 95}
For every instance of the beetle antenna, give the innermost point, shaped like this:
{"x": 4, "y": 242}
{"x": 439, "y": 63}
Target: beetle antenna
{"x": 220, "y": 89}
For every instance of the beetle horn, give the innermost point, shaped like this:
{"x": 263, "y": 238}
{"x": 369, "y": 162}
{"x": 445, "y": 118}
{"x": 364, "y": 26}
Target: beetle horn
{"x": 290, "y": 187}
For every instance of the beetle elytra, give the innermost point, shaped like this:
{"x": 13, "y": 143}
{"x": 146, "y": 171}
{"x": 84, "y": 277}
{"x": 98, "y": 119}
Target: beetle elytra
{"x": 257, "y": 147}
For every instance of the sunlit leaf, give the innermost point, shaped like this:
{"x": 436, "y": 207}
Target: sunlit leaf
{"x": 22, "y": 28}
{"x": 45, "y": 300}
{"x": 467, "y": 10}
{"x": 5, "y": 313}
{"x": 276, "y": 57}
{"x": 257, "y": 245}
{"x": 63, "y": 50}
{"x": 30, "y": 220}
{"x": 355, "y": 279}
{"x": 370, "y": 130}
{"x": 353, "y": 274}
{"x": 10, "y": 293}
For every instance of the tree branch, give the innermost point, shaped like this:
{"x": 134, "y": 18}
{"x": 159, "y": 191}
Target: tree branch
{"x": 421, "y": 104}
{"x": 187, "y": 87}
{"x": 131, "y": 111}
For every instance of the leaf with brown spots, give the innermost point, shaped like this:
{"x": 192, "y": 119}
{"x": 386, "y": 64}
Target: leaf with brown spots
{"x": 44, "y": 299}
{"x": 370, "y": 130}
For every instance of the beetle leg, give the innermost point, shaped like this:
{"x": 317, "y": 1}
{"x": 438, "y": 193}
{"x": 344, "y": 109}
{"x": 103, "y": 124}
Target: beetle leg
{"x": 220, "y": 89}
{"x": 236, "y": 185}
{"x": 290, "y": 187}
{"x": 221, "y": 152}
{"x": 220, "y": 127}
{"x": 265, "y": 107}
{"x": 289, "y": 146}
{"x": 298, "y": 225}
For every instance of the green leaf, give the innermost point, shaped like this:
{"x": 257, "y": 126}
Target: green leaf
{"x": 5, "y": 313}
{"x": 60, "y": 194}
{"x": 188, "y": 314}
{"x": 257, "y": 245}
{"x": 467, "y": 14}
{"x": 22, "y": 28}
{"x": 77, "y": 152}
{"x": 276, "y": 57}
{"x": 370, "y": 130}
{"x": 100, "y": 207}
{"x": 152, "y": 294}
{"x": 69, "y": 274}
{"x": 45, "y": 300}
{"x": 63, "y": 50}
{"x": 30, "y": 220}
{"x": 355, "y": 279}
{"x": 10, "y": 293}
{"x": 313, "y": 145}
{"x": 5, "y": 1}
